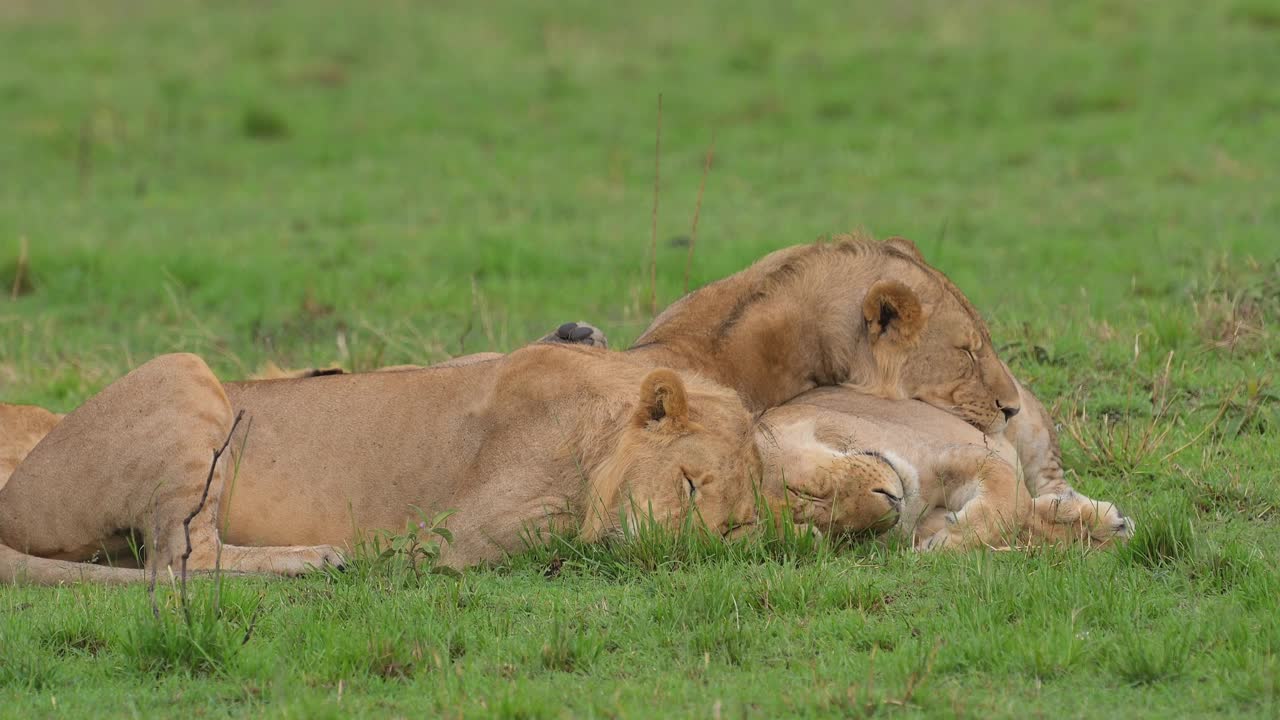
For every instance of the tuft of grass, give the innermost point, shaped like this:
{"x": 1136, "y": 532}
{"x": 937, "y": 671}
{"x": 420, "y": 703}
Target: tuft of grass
{"x": 1126, "y": 443}
{"x": 25, "y": 666}
{"x": 1223, "y": 567}
{"x": 650, "y": 546}
{"x": 1152, "y": 656}
{"x": 1237, "y": 309}
{"x": 202, "y": 637}
{"x": 262, "y": 123}
{"x": 570, "y": 648}
{"x": 1166, "y": 534}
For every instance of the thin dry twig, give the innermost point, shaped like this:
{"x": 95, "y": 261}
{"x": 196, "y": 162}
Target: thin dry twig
{"x": 697, "y": 210}
{"x": 204, "y": 496}
{"x": 653, "y": 232}
{"x": 153, "y": 572}
{"x": 253, "y": 622}
{"x": 1222, "y": 411}
{"x": 20, "y": 272}
{"x": 84, "y": 153}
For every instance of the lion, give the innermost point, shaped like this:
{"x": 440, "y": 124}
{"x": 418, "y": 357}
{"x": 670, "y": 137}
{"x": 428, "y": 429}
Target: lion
{"x": 951, "y": 485}
{"x": 854, "y": 311}
{"x": 21, "y": 428}
{"x": 549, "y": 436}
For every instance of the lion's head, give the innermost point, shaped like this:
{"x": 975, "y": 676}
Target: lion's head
{"x": 811, "y": 467}
{"x": 680, "y": 452}
{"x": 930, "y": 344}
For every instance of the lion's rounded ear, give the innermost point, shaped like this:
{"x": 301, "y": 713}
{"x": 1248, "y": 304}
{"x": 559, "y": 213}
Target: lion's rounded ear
{"x": 892, "y": 310}
{"x": 662, "y": 397}
{"x": 906, "y": 247}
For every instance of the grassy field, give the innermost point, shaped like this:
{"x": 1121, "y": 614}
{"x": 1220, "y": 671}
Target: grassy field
{"x": 306, "y": 182}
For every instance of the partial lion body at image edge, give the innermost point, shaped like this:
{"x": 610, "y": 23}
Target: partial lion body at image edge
{"x": 513, "y": 444}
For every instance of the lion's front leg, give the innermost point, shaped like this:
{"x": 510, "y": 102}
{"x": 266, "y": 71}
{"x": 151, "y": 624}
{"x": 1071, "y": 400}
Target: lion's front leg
{"x": 1070, "y": 517}
{"x": 1033, "y": 437}
{"x": 987, "y": 505}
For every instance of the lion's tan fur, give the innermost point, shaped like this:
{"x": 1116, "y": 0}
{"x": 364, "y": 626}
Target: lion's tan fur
{"x": 512, "y": 445}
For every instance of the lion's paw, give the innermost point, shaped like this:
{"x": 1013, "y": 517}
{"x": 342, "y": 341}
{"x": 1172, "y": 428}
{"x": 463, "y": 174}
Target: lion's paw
{"x": 1072, "y": 517}
{"x": 302, "y": 560}
{"x": 941, "y": 540}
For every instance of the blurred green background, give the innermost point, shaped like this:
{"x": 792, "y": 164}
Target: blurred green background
{"x": 313, "y": 181}
{"x": 250, "y": 180}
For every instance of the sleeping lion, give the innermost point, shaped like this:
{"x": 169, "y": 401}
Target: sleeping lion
{"x": 952, "y": 486}
{"x": 547, "y": 436}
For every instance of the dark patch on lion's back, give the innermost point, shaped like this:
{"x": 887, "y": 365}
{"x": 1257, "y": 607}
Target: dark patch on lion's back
{"x": 763, "y": 287}
{"x": 789, "y": 270}
{"x": 321, "y": 372}
{"x": 735, "y": 316}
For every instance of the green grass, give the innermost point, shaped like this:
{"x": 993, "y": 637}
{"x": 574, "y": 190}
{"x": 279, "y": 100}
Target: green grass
{"x": 304, "y": 183}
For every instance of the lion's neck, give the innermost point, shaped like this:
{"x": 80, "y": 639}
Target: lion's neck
{"x": 770, "y": 344}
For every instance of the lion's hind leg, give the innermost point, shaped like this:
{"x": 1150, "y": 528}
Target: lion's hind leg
{"x": 138, "y": 456}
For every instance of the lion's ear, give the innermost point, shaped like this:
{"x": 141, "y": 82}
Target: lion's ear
{"x": 662, "y": 397}
{"x": 892, "y": 310}
{"x": 905, "y": 247}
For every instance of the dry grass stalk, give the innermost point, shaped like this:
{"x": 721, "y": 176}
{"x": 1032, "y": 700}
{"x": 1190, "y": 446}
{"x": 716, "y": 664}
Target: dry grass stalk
{"x": 20, "y": 272}
{"x": 1122, "y": 443}
{"x": 653, "y": 232}
{"x": 697, "y": 210}
{"x": 1127, "y": 445}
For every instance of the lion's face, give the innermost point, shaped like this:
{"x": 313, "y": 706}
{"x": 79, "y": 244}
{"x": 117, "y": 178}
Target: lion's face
{"x": 938, "y": 350}
{"x": 955, "y": 369}
{"x": 682, "y": 453}
{"x": 815, "y": 468}
{"x": 847, "y": 493}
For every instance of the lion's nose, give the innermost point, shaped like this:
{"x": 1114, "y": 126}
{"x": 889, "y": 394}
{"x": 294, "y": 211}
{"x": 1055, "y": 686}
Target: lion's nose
{"x": 1009, "y": 412}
